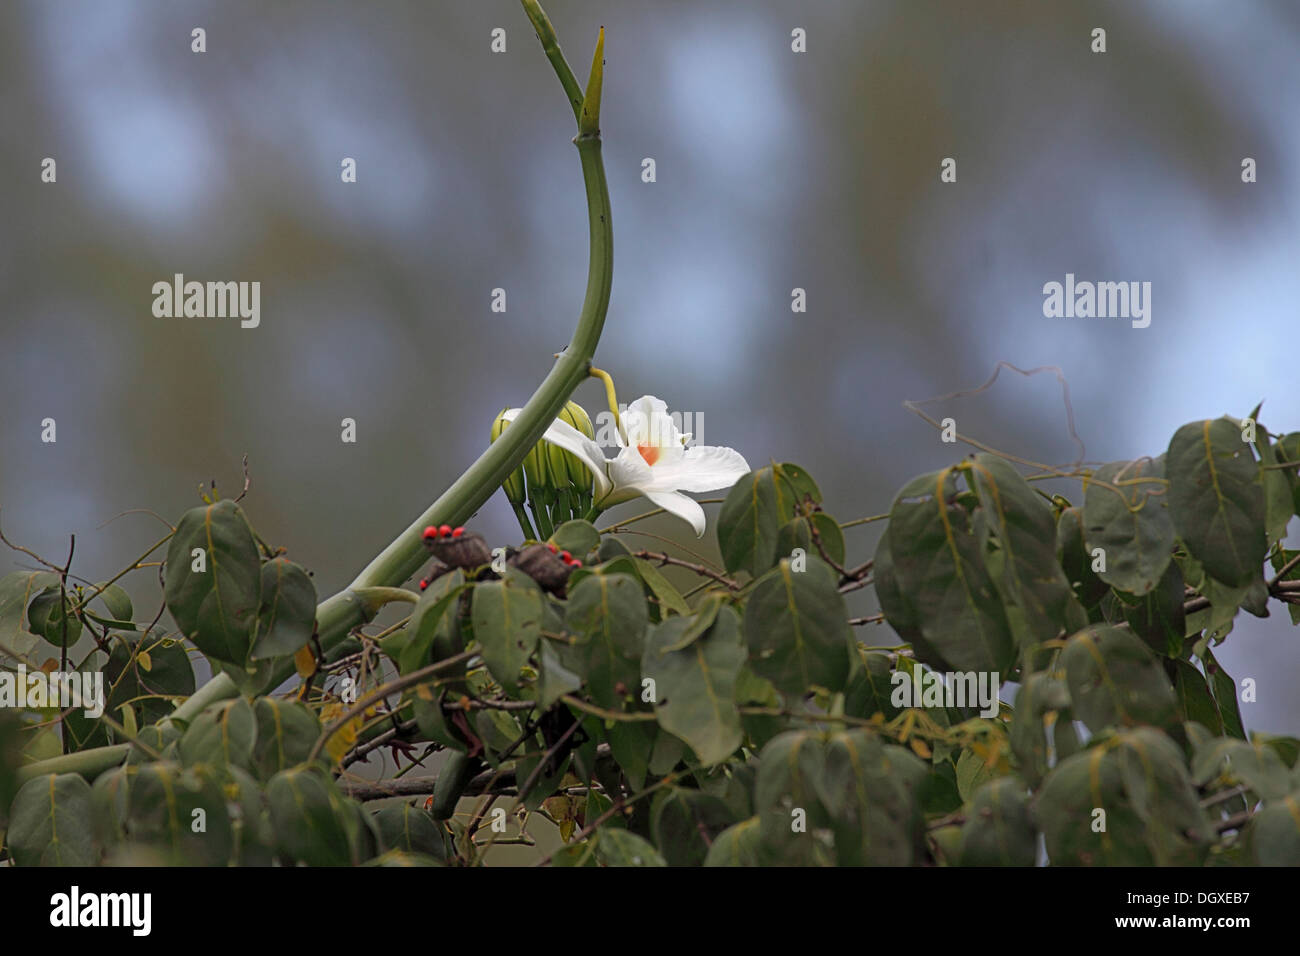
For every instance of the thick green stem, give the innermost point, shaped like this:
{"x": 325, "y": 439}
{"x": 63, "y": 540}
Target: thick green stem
{"x": 339, "y": 614}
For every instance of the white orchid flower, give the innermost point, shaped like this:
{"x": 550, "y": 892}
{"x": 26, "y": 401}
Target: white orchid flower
{"x": 653, "y": 461}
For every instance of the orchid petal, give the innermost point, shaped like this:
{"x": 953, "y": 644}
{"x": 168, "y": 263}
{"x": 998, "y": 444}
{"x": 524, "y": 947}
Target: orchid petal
{"x": 681, "y": 506}
{"x": 702, "y": 468}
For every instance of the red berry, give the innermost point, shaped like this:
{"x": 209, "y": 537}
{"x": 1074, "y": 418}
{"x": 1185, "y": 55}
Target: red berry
{"x": 576, "y": 563}
{"x": 566, "y": 556}
{"x": 444, "y": 531}
{"x": 430, "y": 532}
{"x": 457, "y": 532}
{"x": 552, "y": 547}
{"x": 423, "y": 584}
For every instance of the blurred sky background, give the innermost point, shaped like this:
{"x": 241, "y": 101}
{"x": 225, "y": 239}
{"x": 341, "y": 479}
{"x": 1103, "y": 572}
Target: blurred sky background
{"x": 775, "y": 170}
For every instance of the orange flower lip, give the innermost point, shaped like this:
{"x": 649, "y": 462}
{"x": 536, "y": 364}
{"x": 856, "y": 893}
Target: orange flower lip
{"x": 649, "y": 452}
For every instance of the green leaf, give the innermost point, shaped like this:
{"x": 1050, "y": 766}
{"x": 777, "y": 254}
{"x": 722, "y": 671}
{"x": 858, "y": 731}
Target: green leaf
{"x": 1279, "y": 497}
{"x": 1151, "y": 811}
{"x": 999, "y": 830}
{"x": 736, "y": 846}
{"x": 618, "y": 847}
{"x": 695, "y": 687}
{"x": 1038, "y": 599}
{"x": 286, "y": 616}
{"x": 685, "y": 822}
{"x": 169, "y": 814}
{"x": 411, "y": 830}
{"x": 554, "y": 680}
{"x": 797, "y": 630}
{"x": 285, "y": 734}
{"x": 16, "y": 592}
{"x": 1157, "y": 616}
{"x": 698, "y": 625}
{"x": 507, "y": 617}
{"x": 1225, "y": 695}
{"x": 48, "y": 617}
{"x": 428, "y": 633}
{"x": 1195, "y": 702}
{"x": 869, "y": 791}
{"x": 1257, "y": 766}
{"x": 223, "y": 733}
{"x": 670, "y": 599}
{"x": 1216, "y": 500}
{"x": 607, "y": 616}
{"x": 870, "y": 686}
{"x": 1275, "y": 832}
{"x": 578, "y": 537}
{"x": 216, "y": 607}
{"x": 312, "y": 821}
{"x": 797, "y": 533}
{"x": 748, "y": 524}
{"x": 938, "y": 564}
{"x": 1076, "y": 560}
{"x": 50, "y": 822}
{"x": 786, "y": 796}
{"x": 1115, "y": 680}
{"x": 1130, "y": 522}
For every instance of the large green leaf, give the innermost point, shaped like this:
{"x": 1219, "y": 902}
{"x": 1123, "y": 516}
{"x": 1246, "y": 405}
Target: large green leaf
{"x": 1115, "y": 680}
{"x": 737, "y": 845}
{"x": 796, "y": 626}
{"x": 607, "y": 617}
{"x": 1126, "y": 515}
{"x": 215, "y": 607}
{"x": 313, "y": 822}
{"x": 1275, "y": 832}
{"x": 175, "y": 815}
{"x": 695, "y": 687}
{"x": 685, "y": 822}
{"x": 225, "y": 732}
{"x": 50, "y": 822}
{"x": 999, "y": 830}
{"x": 938, "y": 564}
{"x": 1039, "y": 601}
{"x": 618, "y": 847}
{"x": 748, "y": 523}
{"x": 507, "y": 616}
{"x": 1216, "y": 499}
{"x": 1042, "y": 706}
{"x": 1127, "y": 801}
{"x": 287, "y": 615}
{"x": 869, "y": 791}
{"x": 286, "y": 732}
{"x": 411, "y": 830}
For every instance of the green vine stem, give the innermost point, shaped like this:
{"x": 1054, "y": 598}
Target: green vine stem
{"x": 339, "y": 614}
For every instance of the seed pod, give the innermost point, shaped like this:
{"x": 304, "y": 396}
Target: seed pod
{"x": 542, "y": 566}
{"x": 464, "y": 551}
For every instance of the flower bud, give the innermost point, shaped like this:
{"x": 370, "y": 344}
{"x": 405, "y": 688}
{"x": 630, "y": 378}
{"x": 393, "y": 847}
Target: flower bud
{"x": 578, "y": 473}
{"x": 514, "y": 483}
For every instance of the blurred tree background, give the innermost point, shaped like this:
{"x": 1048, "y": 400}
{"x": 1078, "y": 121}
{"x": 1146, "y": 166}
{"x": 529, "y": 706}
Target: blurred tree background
{"x": 774, "y": 170}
